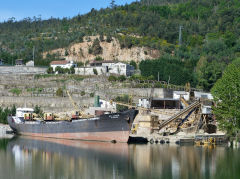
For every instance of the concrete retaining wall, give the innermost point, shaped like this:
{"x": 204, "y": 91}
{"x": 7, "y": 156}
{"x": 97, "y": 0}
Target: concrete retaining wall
{"x": 21, "y": 70}
{"x": 55, "y": 104}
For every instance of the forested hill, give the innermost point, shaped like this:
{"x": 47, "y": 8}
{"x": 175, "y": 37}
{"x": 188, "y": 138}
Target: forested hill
{"x": 210, "y": 36}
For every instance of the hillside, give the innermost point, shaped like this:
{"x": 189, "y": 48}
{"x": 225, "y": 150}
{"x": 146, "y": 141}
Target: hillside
{"x": 210, "y": 31}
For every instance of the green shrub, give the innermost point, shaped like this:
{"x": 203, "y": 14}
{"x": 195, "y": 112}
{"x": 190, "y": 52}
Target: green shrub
{"x": 95, "y": 71}
{"x": 121, "y": 78}
{"x": 98, "y": 58}
{"x": 134, "y": 64}
{"x": 59, "y": 70}
{"x": 59, "y": 92}
{"x": 66, "y": 71}
{"x": 50, "y": 70}
{"x": 80, "y": 64}
{"x": 38, "y": 110}
{"x": 122, "y": 99}
{"x": 109, "y": 38}
{"x": 112, "y": 78}
{"x": 16, "y": 91}
{"x": 66, "y": 52}
{"x": 82, "y": 93}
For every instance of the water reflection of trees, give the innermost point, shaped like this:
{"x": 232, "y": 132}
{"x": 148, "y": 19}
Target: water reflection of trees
{"x": 63, "y": 159}
{"x": 175, "y": 161}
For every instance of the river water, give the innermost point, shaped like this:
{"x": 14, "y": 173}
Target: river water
{"x": 24, "y": 158}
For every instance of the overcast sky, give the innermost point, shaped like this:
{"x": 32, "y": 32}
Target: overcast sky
{"x": 47, "y": 8}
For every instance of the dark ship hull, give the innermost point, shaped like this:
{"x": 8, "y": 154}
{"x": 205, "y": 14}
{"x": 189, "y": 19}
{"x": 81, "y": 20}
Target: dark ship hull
{"x": 107, "y": 127}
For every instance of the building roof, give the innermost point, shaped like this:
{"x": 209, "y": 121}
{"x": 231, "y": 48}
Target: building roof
{"x": 180, "y": 92}
{"x": 103, "y": 61}
{"x": 164, "y": 99}
{"x": 59, "y": 62}
{"x": 19, "y": 60}
{"x": 25, "y": 109}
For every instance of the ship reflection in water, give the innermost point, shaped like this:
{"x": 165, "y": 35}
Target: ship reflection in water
{"x": 26, "y": 157}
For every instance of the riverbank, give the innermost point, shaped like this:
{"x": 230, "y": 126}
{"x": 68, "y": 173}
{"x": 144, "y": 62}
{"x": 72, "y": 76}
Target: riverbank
{"x": 4, "y": 129}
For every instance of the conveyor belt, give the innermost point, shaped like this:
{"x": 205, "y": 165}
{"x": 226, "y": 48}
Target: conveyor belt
{"x": 176, "y": 116}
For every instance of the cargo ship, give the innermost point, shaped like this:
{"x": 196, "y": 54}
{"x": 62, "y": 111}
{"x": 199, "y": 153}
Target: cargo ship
{"x": 113, "y": 127}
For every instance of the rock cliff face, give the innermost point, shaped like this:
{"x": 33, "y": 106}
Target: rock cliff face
{"x": 110, "y": 51}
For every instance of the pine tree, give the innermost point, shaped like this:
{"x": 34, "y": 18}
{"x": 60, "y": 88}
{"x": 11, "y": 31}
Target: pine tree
{"x": 112, "y": 4}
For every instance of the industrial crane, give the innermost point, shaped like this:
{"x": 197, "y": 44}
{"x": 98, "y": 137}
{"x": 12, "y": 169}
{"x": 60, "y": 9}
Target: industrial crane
{"x": 78, "y": 113}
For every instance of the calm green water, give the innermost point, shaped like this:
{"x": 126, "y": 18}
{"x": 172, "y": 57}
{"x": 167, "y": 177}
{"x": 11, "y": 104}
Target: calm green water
{"x": 24, "y": 158}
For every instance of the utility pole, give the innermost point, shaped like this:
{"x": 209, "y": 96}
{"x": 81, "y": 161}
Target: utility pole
{"x": 168, "y": 81}
{"x": 180, "y": 35}
{"x": 33, "y": 55}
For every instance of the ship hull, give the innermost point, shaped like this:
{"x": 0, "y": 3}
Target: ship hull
{"x": 109, "y": 127}
{"x": 118, "y": 136}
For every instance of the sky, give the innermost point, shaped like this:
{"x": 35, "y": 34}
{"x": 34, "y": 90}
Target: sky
{"x": 51, "y": 8}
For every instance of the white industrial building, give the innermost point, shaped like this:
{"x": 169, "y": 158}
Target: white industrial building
{"x": 30, "y": 63}
{"x": 183, "y": 94}
{"x": 203, "y": 95}
{"x": 63, "y": 64}
{"x": 105, "y": 107}
{"x": 107, "y": 104}
{"x": 90, "y": 70}
{"x": 106, "y": 67}
{"x": 144, "y": 103}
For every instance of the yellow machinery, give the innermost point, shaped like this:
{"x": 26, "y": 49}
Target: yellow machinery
{"x": 184, "y": 101}
{"x": 48, "y": 116}
{"x": 188, "y": 87}
{"x": 78, "y": 113}
{"x": 134, "y": 128}
{"x": 32, "y": 116}
{"x": 28, "y": 116}
{"x": 206, "y": 142}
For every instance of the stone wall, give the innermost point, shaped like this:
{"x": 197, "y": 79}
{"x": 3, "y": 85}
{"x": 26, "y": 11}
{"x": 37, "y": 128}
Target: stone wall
{"x": 48, "y": 104}
{"x": 21, "y": 70}
{"x": 42, "y": 91}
